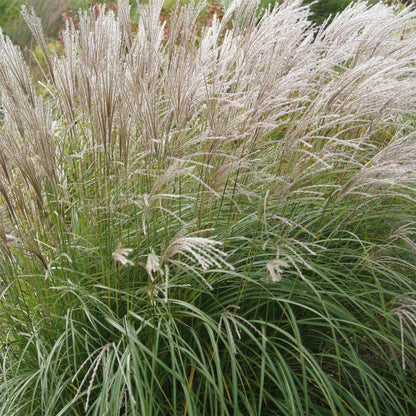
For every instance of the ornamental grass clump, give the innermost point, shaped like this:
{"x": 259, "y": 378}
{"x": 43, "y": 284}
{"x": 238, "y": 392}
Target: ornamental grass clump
{"x": 218, "y": 220}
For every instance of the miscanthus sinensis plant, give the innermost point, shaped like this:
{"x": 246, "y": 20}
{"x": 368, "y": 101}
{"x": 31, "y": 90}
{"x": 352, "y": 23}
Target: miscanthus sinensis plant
{"x": 213, "y": 221}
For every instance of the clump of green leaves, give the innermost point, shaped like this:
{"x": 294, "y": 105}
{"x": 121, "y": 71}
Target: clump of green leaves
{"x": 323, "y": 9}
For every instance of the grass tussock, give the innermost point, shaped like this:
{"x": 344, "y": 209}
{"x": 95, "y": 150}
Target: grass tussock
{"x": 215, "y": 222}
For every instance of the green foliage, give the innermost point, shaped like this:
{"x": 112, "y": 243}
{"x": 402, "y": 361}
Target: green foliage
{"x": 9, "y": 14}
{"x": 210, "y": 221}
{"x": 323, "y": 9}
{"x": 13, "y": 25}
